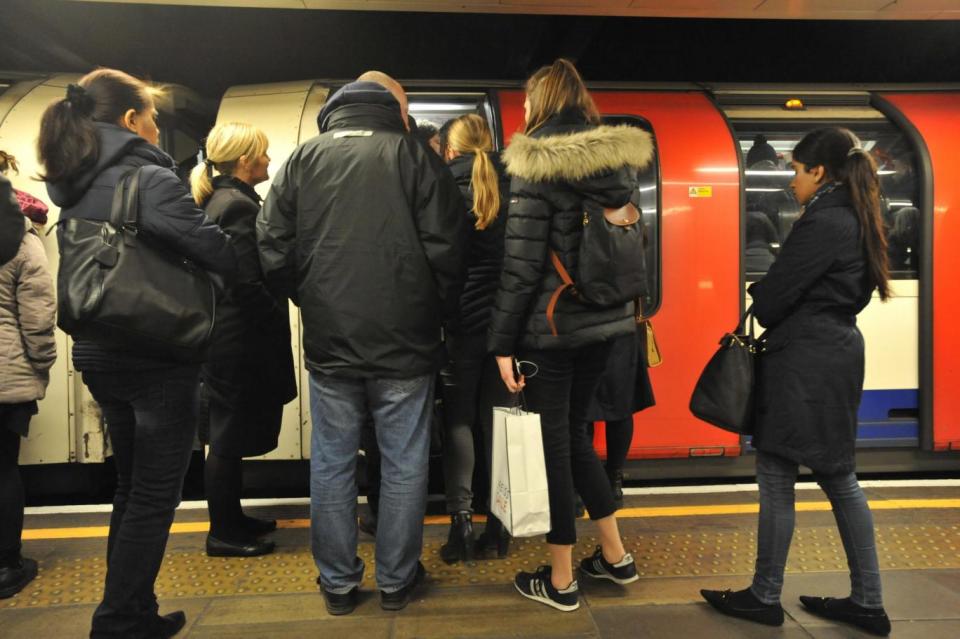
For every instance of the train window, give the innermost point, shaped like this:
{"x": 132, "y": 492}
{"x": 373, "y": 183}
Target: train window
{"x": 648, "y": 201}
{"x": 771, "y": 209}
{"x": 439, "y": 108}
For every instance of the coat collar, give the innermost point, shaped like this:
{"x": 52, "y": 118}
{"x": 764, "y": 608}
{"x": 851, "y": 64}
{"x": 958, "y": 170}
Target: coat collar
{"x": 577, "y": 155}
{"x": 230, "y": 182}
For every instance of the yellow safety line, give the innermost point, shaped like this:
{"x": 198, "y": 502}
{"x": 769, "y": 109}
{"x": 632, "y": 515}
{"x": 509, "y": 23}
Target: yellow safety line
{"x": 626, "y": 513}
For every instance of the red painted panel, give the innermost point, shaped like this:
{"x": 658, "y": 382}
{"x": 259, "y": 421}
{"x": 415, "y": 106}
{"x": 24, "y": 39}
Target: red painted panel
{"x": 935, "y": 117}
{"x": 700, "y": 239}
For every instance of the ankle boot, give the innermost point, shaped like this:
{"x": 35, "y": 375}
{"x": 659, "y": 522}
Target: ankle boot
{"x": 494, "y": 536}
{"x": 616, "y": 485}
{"x": 459, "y": 544}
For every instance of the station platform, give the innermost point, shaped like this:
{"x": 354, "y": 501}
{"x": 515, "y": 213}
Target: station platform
{"x": 682, "y": 539}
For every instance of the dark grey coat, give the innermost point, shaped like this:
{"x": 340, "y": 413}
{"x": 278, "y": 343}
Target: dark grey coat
{"x": 811, "y": 371}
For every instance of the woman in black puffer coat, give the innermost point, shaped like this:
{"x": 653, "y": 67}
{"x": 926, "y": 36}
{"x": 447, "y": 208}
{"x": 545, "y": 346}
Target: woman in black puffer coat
{"x": 562, "y": 161}
{"x": 104, "y": 128}
{"x": 248, "y": 375}
{"x": 472, "y": 388}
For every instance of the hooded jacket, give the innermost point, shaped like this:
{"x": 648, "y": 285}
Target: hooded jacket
{"x": 485, "y": 252}
{"x": 366, "y": 235}
{"x": 27, "y": 307}
{"x": 168, "y": 215}
{"x": 555, "y": 170}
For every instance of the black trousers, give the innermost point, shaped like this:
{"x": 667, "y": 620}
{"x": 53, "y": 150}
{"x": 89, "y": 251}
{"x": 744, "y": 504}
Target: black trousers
{"x": 151, "y": 421}
{"x": 11, "y": 495}
{"x": 561, "y": 392}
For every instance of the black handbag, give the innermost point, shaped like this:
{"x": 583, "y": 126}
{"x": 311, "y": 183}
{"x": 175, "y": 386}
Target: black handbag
{"x": 724, "y": 393}
{"x": 116, "y": 287}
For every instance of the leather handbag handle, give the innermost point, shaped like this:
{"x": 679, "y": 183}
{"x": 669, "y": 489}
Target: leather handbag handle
{"x": 567, "y": 283}
{"x": 125, "y": 207}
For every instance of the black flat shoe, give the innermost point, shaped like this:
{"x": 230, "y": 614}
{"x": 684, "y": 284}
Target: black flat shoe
{"x": 16, "y": 577}
{"x": 258, "y": 527}
{"x": 248, "y": 548}
{"x": 743, "y": 605}
{"x": 340, "y": 604}
{"x": 460, "y": 544}
{"x": 872, "y": 620}
{"x": 170, "y": 624}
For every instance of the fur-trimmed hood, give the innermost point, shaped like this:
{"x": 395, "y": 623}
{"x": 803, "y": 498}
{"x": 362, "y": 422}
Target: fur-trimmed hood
{"x": 578, "y": 155}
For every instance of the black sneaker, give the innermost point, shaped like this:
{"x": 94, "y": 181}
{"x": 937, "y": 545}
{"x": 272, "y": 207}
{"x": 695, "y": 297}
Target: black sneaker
{"x": 744, "y": 605}
{"x": 537, "y": 586}
{"x": 623, "y": 572}
{"x": 340, "y": 604}
{"x": 873, "y": 620}
{"x": 399, "y": 599}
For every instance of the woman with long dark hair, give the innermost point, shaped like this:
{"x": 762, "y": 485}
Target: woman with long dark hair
{"x": 811, "y": 376}
{"x": 105, "y": 127}
{"x": 563, "y": 159}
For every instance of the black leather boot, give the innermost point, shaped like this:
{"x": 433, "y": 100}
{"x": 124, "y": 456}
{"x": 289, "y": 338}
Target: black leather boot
{"x": 459, "y": 544}
{"x": 494, "y": 536}
{"x": 16, "y": 575}
{"x": 616, "y": 485}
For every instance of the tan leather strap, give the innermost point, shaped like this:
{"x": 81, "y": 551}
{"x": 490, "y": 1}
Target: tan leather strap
{"x": 567, "y": 283}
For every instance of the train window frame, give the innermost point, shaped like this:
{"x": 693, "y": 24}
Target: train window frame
{"x": 870, "y": 130}
{"x": 653, "y": 255}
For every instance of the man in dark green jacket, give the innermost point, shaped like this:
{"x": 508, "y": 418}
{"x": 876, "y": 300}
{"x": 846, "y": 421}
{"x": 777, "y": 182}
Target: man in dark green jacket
{"x": 364, "y": 233}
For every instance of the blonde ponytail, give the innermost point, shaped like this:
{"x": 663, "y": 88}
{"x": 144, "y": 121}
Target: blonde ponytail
{"x": 469, "y": 134}
{"x": 226, "y": 144}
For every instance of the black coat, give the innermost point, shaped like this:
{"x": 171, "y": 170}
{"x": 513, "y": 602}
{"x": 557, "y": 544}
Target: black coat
{"x": 555, "y": 170}
{"x": 249, "y": 373}
{"x": 368, "y": 237}
{"x": 485, "y": 252}
{"x": 811, "y": 370}
{"x": 625, "y": 387}
{"x": 168, "y": 215}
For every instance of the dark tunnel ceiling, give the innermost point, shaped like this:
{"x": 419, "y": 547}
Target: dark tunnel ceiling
{"x": 210, "y": 49}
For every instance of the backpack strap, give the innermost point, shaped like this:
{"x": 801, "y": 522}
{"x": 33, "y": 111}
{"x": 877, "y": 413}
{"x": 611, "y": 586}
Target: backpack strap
{"x": 567, "y": 283}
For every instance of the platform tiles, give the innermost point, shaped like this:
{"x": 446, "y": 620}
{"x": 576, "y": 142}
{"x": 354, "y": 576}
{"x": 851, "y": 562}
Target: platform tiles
{"x": 676, "y": 554}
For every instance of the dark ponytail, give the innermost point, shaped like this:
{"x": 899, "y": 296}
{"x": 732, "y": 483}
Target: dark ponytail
{"x": 838, "y": 151}
{"x": 68, "y": 144}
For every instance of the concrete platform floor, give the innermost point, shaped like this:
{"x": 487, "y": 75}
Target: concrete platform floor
{"x": 681, "y": 543}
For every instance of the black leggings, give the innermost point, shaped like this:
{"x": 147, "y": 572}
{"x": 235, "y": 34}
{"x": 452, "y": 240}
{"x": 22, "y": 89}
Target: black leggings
{"x": 223, "y": 482}
{"x": 619, "y": 434}
{"x": 11, "y": 497}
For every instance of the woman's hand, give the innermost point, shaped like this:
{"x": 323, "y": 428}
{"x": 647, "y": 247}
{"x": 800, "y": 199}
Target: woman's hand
{"x": 509, "y": 375}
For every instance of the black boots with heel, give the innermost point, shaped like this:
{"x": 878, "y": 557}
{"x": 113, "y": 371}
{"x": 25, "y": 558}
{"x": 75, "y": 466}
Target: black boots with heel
{"x": 459, "y": 546}
{"x": 494, "y": 536}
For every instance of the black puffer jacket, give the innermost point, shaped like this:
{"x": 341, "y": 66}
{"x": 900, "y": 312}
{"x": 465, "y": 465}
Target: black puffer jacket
{"x": 485, "y": 255}
{"x": 555, "y": 170}
{"x": 810, "y": 374}
{"x": 367, "y": 236}
{"x": 167, "y": 214}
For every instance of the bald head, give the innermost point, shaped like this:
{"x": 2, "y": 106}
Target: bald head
{"x": 392, "y": 86}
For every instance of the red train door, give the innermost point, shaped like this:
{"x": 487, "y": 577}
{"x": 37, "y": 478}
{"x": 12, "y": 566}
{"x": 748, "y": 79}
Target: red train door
{"x": 700, "y": 249}
{"x": 934, "y": 116}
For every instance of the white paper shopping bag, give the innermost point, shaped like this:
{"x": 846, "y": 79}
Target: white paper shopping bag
{"x": 518, "y": 491}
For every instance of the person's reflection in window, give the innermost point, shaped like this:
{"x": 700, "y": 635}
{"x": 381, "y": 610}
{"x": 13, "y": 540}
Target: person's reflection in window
{"x": 761, "y": 237}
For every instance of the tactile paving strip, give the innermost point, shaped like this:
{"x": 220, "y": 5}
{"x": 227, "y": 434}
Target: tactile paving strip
{"x": 691, "y": 552}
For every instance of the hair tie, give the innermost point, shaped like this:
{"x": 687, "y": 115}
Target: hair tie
{"x": 854, "y": 150}
{"x": 80, "y": 100}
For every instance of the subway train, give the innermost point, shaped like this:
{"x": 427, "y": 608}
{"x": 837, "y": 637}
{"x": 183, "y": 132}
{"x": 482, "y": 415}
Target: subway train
{"x": 715, "y": 215}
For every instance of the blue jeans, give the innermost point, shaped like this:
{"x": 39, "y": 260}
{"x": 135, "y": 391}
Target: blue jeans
{"x": 151, "y": 420}
{"x": 401, "y": 410}
{"x": 776, "y": 477}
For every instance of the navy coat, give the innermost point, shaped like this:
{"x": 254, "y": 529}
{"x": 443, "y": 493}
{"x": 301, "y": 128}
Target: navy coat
{"x": 811, "y": 370}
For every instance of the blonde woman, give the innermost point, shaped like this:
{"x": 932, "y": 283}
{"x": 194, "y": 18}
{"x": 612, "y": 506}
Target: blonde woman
{"x": 248, "y": 375}
{"x": 473, "y": 387}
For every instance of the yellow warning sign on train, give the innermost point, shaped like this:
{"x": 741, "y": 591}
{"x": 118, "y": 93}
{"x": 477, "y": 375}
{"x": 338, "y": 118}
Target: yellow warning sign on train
{"x": 700, "y": 191}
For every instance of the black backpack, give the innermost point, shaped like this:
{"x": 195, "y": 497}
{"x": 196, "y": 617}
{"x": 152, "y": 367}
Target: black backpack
{"x": 611, "y": 266}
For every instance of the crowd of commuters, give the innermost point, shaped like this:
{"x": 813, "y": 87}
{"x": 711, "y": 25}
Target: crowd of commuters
{"x": 410, "y": 250}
